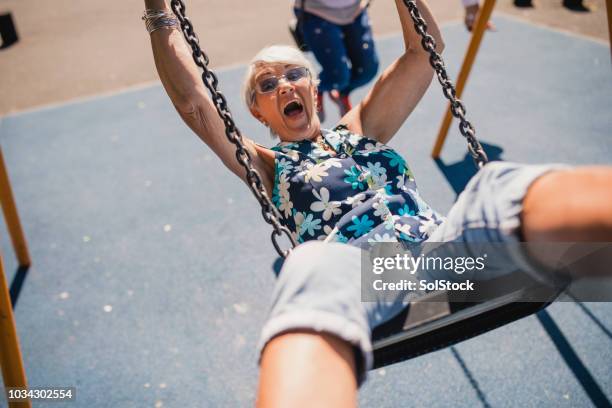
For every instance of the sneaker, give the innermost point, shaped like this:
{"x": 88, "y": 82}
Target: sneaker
{"x": 320, "y": 110}
{"x": 342, "y": 101}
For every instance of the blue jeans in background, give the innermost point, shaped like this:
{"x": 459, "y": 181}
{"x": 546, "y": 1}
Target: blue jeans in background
{"x": 345, "y": 52}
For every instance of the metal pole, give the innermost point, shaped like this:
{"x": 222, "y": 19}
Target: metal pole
{"x": 468, "y": 60}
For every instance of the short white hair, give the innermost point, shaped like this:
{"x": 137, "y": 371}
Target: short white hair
{"x": 274, "y": 54}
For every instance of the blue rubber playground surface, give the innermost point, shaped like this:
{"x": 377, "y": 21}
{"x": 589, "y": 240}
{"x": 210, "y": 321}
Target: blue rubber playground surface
{"x": 152, "y": 267}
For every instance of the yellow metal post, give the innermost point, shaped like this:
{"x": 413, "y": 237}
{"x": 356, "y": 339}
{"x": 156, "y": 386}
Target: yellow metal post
{"x": 12, "y": 217}
{"x": 468, "y": 60}
{"x": 13, "y": 372}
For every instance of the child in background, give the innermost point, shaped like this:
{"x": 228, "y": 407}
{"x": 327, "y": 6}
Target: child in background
{"x": 338, "y": 33}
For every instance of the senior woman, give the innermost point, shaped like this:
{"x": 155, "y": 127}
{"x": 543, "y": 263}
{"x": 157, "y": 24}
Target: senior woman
{"x": 343, "y": 188}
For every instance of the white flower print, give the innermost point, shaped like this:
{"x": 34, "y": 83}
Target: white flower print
{"x": 356, "y": 200}
{"x": 298, "y": 218}
{"x": 354, "y": 138}
{"x": 400, "y": 181}
{"x": 405, "y": 228}
{"x": 283, "y": 185}
{"x": 293, "y": 155}
{"x": 368, "y": 149}
{"x": 333, "y": 162}
{"x": 315, "y": 173}
{"x": 329, "y": 208}
{"x": 390, "y": 222}
{"x": 285, "y": 205}
{"x": 381, "y": 209}
{"x": 303, "y": 167}
{"x": 427, "y": 227}
{"x": 382, "y": 238}
{"x": 326, "y": 231}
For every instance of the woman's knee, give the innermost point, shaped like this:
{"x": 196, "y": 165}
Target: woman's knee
{"x": 570, "y": 205}
{"x": 316, "y": 264}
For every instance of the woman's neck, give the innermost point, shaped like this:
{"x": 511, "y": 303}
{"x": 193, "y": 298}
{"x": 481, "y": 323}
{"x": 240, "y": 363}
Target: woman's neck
{"x": 310, "y": 134}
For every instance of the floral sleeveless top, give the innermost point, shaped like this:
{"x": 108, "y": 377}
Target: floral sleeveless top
{"x": 360, "y": 193}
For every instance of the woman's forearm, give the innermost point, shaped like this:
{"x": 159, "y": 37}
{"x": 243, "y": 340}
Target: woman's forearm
{"x": 183, "y": 83}
{"x": 412, "y": 38}
{"x": 177, "y": 71}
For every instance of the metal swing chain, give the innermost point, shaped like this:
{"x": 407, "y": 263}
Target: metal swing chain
{"x": 457, "y": 108}
{"x": 269, "y": 211}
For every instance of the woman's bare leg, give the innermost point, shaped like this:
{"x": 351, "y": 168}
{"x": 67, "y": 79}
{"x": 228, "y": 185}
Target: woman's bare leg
{"x": 307, "y": 369}
{"x": 569, "y": 206}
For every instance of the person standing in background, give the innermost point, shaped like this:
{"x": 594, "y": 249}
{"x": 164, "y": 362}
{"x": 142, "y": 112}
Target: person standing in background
{"x": 339, "y": 34}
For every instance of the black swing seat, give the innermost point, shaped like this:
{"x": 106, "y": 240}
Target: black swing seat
{"x": 441, "y": 319}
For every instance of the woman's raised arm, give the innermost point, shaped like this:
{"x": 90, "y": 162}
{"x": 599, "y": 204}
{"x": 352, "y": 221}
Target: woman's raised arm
{"x": 401, "y": 86}
{"x": 183, "y": 83}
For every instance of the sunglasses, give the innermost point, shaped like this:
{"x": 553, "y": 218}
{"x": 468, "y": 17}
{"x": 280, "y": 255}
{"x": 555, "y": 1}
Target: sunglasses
{"x": 270, "y": 83}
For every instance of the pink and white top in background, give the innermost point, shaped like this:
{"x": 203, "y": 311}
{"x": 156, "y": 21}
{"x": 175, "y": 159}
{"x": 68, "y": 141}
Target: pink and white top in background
{"x": 339, "y": 12}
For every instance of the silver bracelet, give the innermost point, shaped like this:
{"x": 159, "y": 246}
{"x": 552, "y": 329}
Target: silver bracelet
{"x": 156, "y": 19}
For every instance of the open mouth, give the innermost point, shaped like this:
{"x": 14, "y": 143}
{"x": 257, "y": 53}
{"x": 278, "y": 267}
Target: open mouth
{"x": 293, "y": 109}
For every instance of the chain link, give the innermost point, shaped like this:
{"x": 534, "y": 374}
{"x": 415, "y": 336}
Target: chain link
{"x": 448, "y": 89}
{"x": 269, "y": 211}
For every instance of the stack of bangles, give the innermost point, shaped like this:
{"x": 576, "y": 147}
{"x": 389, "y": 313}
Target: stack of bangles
{"x": 156, "y": 19}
